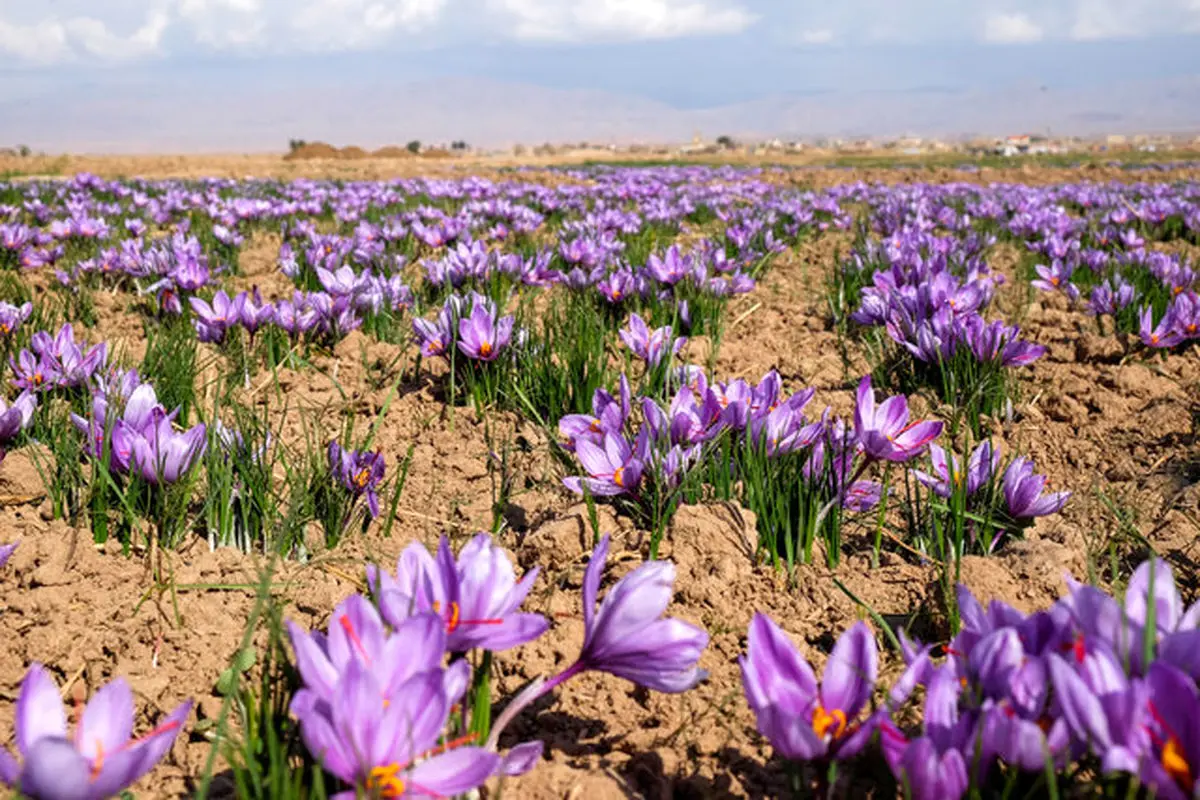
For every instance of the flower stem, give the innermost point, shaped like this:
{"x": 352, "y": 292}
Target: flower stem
{"x": 528, "y": 696}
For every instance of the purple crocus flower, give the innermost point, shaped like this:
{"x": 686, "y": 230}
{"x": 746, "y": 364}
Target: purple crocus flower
{"x": 15, "y": 418}
{"x": 213, "y": 319}
{"x": 804, "y": 721}
{"x": 934, "y": 766}
{"x": 99, "y": 761}
{"x": 159, "y": 453}
{"x": 1158, "y": 336}
{"x": 1055, "y": 277}
{"x": 885, "y": 430}
{"x": 391, "y": 749}
{"x": 477, "y": 596}
{"x": 1023, "y": 492}
{"x": 255, "y": 313}
{"x": 1172, "y": 768}
{"x": 612, "y": 467}
{"x": 628, "y": 636}
{"x": 947, "y": 475}
{"x": 1111, "y": 719}
{"x": 11, "y": 317}
{"x": 358, "y": 634}
{"x": 359, "y": 473}
{"x": 481, "y": 336}
{"x": 435, "y": 337}
{"x": 650, "y": 346}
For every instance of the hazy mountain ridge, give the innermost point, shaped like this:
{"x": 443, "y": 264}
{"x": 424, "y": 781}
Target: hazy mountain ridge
{"x": 176, "y": 117}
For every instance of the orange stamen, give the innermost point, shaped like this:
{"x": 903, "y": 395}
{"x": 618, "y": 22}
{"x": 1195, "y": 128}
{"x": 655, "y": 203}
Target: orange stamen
{"x": 385, "y": 782}
{"x": 823, "y": 721}
{"x": 1176, "y": 765}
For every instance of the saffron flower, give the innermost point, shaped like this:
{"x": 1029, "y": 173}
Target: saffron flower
{"x": 99, "y": 761}
{"x": 628, "y": 636}
{"x": 650, "y": 346}
{"x": 11, "y": 317}
{"x": 359, "y": 473}
{"x": 613, "y": 468}
{"x": 357, "y": 634}
{"x": 159, "y": 453}
{"x": 801, "y": 719}
{"x": 213, "y": 319}
{"x": 1158, "y": 336}
{"x": 1110, "y": 719}
{"x": 15, "y": 418}
{"x": 885, "y": 431}
{"x": 947, "y": 471}
{"x": 481, "y": 336}
{"x": 477, "y": 596}
{"x": 1023, "y": 492}
{"x": 6, "y": 551}
{"x": 391, "y": 749}
{"x": 1172, "y": 767}
{"x": 435, "y": 337}
{"x": 934, "y": 765}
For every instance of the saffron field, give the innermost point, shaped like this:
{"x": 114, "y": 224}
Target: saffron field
{"x": 687, "y": 481}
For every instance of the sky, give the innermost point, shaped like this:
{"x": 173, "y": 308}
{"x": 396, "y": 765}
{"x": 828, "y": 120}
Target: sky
{"x": 57, "y": 56}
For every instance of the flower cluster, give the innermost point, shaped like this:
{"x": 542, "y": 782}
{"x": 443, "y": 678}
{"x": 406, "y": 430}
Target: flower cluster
{"x": 56, "y": 362}
{"x": 380, "y": 686}
{"x": 1106, "y": 685}
{"x": 142, "y": 440}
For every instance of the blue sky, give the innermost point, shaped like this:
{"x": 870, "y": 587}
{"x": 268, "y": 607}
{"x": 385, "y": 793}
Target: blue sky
{"x": 689, "y": 54}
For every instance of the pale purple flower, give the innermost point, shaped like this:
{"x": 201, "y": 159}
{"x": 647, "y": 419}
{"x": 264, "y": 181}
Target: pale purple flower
{"x": 650, "y": 346}
{"x": 885, "y": 430}
{"x": 801, "y": 719}
{"x": 477, "y": 596}
{"x": 99, "y": 761}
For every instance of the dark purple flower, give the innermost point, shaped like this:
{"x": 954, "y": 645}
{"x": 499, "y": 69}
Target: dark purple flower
{"x": 358, "y": 472}
{"x": 1023, "y": 492}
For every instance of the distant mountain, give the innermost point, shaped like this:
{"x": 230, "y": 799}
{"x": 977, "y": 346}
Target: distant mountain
{"x": 163, "y": 114}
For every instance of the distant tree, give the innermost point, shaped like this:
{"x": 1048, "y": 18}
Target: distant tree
{"x": 458, "y": 145}
{"x": 295, "y": 144}
{"x": 414, "y": 146}
{"x": 23, "y": 151}
{"x": 725, "y": 142}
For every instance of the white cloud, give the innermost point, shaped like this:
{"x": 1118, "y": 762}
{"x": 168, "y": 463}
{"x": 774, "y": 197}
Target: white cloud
{"x": 94, "y": 37}
{"x": 40, "y": 32}
{"x": 1011, "y": 29}
{"x": 50, "y": 41}
{"x": 355, "y": 24}
{"x": 43, "y": 42}
{"x": 817, "y": 36}
{"x": 577, "y": 20}
{"x": 224, "y": 23}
